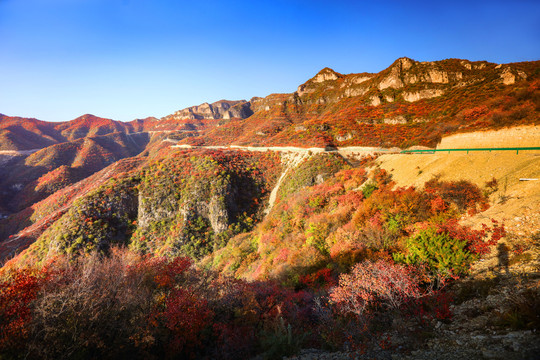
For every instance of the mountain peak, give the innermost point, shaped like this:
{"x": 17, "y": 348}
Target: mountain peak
{"x": 404, "y": 63}
{"x": 89, "y": 117}
{"x": 325, "y": 74}
{"x": 327, "y": 70}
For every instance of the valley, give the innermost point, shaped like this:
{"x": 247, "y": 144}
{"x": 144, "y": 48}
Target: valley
{"x": 272, "y": 226}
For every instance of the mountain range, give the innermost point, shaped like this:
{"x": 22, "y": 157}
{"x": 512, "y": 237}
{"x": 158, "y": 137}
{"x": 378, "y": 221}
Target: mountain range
{"x": 327, "y": 219}
{"x": 408, "y": 104}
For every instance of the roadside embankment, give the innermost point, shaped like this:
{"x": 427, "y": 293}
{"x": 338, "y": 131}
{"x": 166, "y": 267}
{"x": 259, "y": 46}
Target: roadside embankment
{"x": 519, "y": 136}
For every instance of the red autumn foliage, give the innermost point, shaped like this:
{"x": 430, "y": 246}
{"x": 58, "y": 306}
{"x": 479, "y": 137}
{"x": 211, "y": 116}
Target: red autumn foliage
{"x": 184, "y": 315}
{"x": 478, "y": 241}
{"x": 372, "y": 285}
{"x": 464, "y": 194}
{"x": 320, "y": 279}
{"x": 16, "y": 294}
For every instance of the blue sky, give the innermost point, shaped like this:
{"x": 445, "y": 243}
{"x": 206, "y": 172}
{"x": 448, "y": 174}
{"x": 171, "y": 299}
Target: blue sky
{"x": 127, "y": 59}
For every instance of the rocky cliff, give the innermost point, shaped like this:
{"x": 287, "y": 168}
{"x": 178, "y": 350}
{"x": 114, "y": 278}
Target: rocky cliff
{"x": 223, "y": 109}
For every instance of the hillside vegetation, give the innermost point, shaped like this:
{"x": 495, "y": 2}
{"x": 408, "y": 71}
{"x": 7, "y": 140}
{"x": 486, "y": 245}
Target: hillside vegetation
{"x": 157, "y": 239}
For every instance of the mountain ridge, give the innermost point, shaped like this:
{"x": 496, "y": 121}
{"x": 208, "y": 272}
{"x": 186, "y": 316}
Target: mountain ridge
{"x": 409, "y": 103}
{"x": 288, "y": 221}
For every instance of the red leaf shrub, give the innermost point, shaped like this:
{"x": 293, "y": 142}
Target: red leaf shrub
{"x": 478, "y": 241}
{"x": 16, "y": 294}
{"x": 320, "y": 279}
{"x": 466, "y": 195}
{"x": 184, "y": 316}
{"x": 372, "y": 285}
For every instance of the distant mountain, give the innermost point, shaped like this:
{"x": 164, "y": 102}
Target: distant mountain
{"x": 26, "y": 180}
{"x": 409, "y": 103}
{"x": 18, "y": 133}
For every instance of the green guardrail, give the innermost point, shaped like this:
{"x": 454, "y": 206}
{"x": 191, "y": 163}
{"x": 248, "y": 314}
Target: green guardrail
{"x": 433, "y": 151}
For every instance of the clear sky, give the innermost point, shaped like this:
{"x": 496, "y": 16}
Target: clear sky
{"x": 127, "y": 59}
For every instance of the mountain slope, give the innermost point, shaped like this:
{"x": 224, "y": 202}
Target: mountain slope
{"x": 409, "y": 103}
{"x": 231, "y": 252}
{"x": 32, "y": 178}
{"x": 28, "y": 134}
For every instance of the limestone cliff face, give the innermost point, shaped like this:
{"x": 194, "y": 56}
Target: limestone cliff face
{"x": 422, "y": 94}
{"x": 405, "y": 79}
{"x": 396, "y": 72}
{"x": 509, "y": 76}
{"x": 405, "y": 71}
{"x": 240, "y": 110}
{"x": 215, "y": 204}
{"x": 223, "y": 109}
{"x": 272, "y": 100}
{"x": 190, "y": 211}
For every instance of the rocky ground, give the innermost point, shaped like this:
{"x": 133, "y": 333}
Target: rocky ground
{"x": 495, "y": 315}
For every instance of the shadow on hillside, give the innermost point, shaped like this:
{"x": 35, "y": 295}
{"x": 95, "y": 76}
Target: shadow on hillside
{"x": 503, "y": 257}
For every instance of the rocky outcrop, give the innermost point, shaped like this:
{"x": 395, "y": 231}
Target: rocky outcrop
{"x": 223, "y": 109}
{"x": 395, "y": 120}
{"x": 507, "y": 77}
{"x": 510, "y": 76}
{"x": 405, "y": 72}
{"x": 350, "y": 92}
{"x": 374, "y": 101}
{"x": 422, "y": 94}
{"x": 241, "y": 110}
{"x": 215, "y": 208}
{"x": 272, "y": 100}
{"x": 324, "y": 75}
{"x": 393, "y": 79}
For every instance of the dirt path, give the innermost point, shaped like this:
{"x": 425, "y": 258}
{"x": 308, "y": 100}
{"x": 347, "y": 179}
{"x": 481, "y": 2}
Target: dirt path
{"x": 18, "y": 152}
{"x": 291, "y": 162}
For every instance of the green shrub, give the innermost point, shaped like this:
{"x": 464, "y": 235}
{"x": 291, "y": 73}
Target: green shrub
{"x": 316, "y": 236}
{"x": 442, "y": 254}
{"x": 368, "y": 189}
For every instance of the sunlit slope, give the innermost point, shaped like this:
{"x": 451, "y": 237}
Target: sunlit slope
{"x": 517, "y": 136}
{"x": 513, "y": 201}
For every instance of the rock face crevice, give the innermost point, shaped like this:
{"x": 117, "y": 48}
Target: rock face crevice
{"x": 215, "y": 207}
{"x": 218, "y": 209}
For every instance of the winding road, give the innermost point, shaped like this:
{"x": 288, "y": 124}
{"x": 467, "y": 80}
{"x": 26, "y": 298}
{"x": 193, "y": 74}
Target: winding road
{"x": 314, "y": 150}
